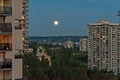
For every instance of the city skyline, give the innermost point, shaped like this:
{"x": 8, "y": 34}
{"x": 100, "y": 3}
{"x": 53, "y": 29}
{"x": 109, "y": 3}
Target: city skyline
{"x": 73, "y": 16}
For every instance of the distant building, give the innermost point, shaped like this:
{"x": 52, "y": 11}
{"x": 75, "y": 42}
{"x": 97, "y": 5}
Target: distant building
{"x": 69, "y": 44}
{"x": 43, "y": 55}
{"x": 76, "y": 44}
{"x": 13, "y": 24}
{"x": 83, "y": 44}
{"x": 104, "y": 46}
{"x": 57, "y": 43}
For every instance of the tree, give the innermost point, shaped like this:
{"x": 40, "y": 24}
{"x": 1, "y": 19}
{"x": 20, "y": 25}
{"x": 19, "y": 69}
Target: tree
{"x": 67, "y": 64}
{"x": 31, "y": 65}
{"x": 33, "y": 45}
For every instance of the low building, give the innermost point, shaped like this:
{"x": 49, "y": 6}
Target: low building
{"x": 43, "y": 55}
{"x": 69, "y": 44}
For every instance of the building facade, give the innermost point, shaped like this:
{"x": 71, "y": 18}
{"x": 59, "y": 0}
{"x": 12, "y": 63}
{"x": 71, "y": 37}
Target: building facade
{"x": 69, "y": 44}
{"x": 104, "y": 46}
{"x": 83, "y": 44}
{"x": 13, "y": 24}
{"x": 41, "y": 54}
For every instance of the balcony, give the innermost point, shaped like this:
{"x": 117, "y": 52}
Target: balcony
{"x": 5, "y": 27}
{"x": 18, "y": 56}
{"x": 25, "y": 6}
{"x": 25, "y": 1}
{"x": 6, "y": 64}
{"x": 5, "y": 11}
{"x": 5, "y": 46}
{"x": 18, "y": 27}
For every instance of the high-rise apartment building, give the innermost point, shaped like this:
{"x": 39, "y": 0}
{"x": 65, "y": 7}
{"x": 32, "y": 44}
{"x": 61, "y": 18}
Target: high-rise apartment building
{"x": 104, "y": 45}
{"x": 13, "y": 24}
{"x": 83, "y": 44}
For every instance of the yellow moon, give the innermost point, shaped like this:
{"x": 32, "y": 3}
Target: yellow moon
{"x": 55, "y": 23}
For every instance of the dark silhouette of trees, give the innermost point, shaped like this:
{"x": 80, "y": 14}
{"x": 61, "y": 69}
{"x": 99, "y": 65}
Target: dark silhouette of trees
{"x": 67, "y": 64}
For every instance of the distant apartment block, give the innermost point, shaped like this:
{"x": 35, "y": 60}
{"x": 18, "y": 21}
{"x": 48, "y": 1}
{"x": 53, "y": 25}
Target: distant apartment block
{"x": 83, "y": 44}
{"x": 69, "y": 44}
{"x": 104, "y": 45}
{"x": 13, "y": 20}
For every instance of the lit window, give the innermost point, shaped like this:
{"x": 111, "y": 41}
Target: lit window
{"x": 23, "y": 39}
{"x": 23, "y": 17}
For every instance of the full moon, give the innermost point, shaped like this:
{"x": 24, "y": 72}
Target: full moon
{"x": 55, "y": 23}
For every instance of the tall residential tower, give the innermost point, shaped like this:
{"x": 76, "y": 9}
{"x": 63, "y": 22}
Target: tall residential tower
{"x": 104, "y": 45}
{"x": 13, "y": 24}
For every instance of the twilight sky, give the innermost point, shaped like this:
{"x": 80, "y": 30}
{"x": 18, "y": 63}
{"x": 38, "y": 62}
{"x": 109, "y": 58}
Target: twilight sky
{"x": 73, "y": 16}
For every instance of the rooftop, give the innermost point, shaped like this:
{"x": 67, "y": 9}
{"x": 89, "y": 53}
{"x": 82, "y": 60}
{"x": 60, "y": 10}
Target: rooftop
{"x": 101, "y": 22}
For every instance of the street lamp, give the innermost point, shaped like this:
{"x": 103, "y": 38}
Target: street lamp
{"x": 118, "y": 14}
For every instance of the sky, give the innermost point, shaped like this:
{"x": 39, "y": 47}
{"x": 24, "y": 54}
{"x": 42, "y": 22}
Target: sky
{"x": 73, "y": 16}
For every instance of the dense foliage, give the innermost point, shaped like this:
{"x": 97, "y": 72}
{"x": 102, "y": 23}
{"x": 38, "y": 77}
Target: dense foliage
{"x": 67, "y": 64}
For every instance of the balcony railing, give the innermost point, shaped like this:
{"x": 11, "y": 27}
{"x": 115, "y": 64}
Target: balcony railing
{"x": 18, "y": 56}
{"x": 5, "y": 27}
{"x": 5, "y": 10}
{"x": 18, "y": 27}
{"x": 5, "y": 46}
{"x": 6, "y": 65}
{"x": 25, "y": 1}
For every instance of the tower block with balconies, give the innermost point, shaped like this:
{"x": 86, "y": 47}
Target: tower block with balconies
{"x": 13, "y": 24}
{"x": 104, "y": 46}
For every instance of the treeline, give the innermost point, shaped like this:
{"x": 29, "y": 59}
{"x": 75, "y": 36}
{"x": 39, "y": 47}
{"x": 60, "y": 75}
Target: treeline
{"x": 67, "y": 64}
